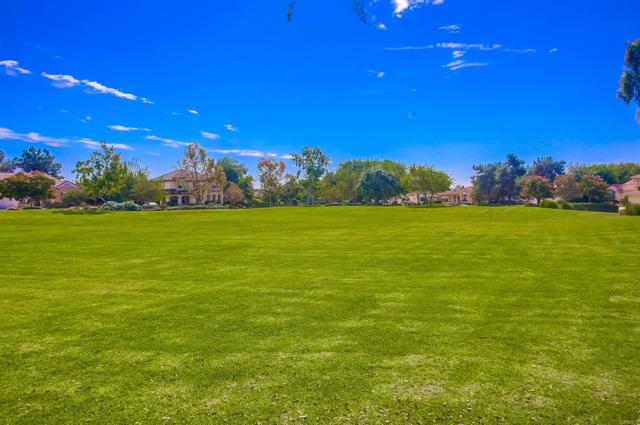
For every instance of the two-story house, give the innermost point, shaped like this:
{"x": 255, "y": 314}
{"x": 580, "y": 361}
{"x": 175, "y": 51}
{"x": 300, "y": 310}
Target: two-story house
{"x": 177, "y": 185}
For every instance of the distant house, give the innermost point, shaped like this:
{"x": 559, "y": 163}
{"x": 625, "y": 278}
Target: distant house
{"x": 61, "y": 187}
{"x": 629, "y": 189}
{"x": 176, "y": 186}
{"x": 461, "y": 196}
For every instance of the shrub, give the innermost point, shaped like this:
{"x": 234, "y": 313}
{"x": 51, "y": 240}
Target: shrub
{"x": 111, "y": 206}
{"x": 548, "y": 203}
{"x": 131, "y": 206}
{"x": 608, "y": 208}
{"x": 562, "y": 204}
{"x": 75, "y": 198}
{"x": 631, "y": 209}
{"x": 124, "y": 206}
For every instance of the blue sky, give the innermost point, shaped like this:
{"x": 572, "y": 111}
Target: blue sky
{"x": 450, "y": 83}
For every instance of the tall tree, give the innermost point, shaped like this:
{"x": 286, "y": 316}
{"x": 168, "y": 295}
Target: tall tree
{"x": 233, "y": 169}
{"x": 104, "y": 175}
{"x": 498, "y": 181}
{"x": 233, "y": 194}
{"x": 6, "y": 166}
{"x": 427, "y": 181}
{"x": 201, "y": 173}
{"x": 36, "y": 159}
{"x": 567, "y": 187}
{"x": 312, "y": 164}
{"x": 611, "y": 173}
{"x": 536, "y": 187}
{"x": 593, "y": 188}
{"x": 548, "y": 168}
{"x": 271, "y": 175}
{"x": 246, "y": 185}
{"x": 379, "y": 185}
{"x": 629, "y": 90}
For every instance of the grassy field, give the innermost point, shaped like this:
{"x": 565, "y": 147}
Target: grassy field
{"x": 320, "y": 315}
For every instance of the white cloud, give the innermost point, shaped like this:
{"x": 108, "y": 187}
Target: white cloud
{"x": 12, "y": 68}
{"x": 250, "y": 152}
{"x": 520, "y": 50}
{"x": 460, "y": 64}
{"x": 32, "y": 137}
{"x": 452, "y": 29}
{"x": 457, "y": 54}
{"x": 100, "y": 88}
{"x": 554, "y": 50}
{"x": 86, "y": 119}
{"x": 380, "y": 74}
{"x": 125, "y": 128}
{"x": 64, "y": 81}
{"x": 176, "y": 113}
{"x": 92, "y": 144}
{"x": 401, "y": 6}
{"x": 61, "y": 81}
{"x": 169, "y": 142}
{"x": 192, "y": 112}
{"x": 230, "y": 127}
{"x": 382, "y": 27}
{"x": 207, "y": 135}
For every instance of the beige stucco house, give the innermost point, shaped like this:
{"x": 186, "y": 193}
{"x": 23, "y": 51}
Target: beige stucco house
{"x": 629, "y": 189}
{"x": 176, "y": 186}
{"x": 462, "y": 196}
{"x": 61, "y": 187}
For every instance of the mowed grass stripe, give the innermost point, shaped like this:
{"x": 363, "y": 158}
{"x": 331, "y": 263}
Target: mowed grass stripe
{"x": 320, "y": 315}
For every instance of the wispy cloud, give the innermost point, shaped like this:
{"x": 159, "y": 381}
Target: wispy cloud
{"x": 193, "y": 112}
{"x": 12, "y": 68}
{"x": 207, "y": 135}
{"x": 61, "y": 81}
{"x": 169, "y": 142}
{"x": 86, "y": 120}
{"x": 461, "y": 49}
{"x": 460, "y": 64}
{"x": 250, "y": 153}
{"x": 230, "y": 127}
{"x": 64, "y": 81}
{"x": 449, "y": 45}
{"x": 32, "y": 137}
{"x": 452, "y": 29}
{"x": 92, "y": 144}
{"x": 381, "y": 27}
{"x": 125, "y": 128}
{"x": 554, "y": 50}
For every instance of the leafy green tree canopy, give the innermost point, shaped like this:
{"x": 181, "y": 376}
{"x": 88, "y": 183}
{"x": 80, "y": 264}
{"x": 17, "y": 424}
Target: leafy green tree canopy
{"x": 6, "y": 166}
{"x": 428, "y": 181}
{"x": 104, "y": 175}
{"x": 233, "y": 169}
{"x": 312, "y": 164}
{"x": 629, "y": 90}
{"x": 22, "y": 187}
{"x": 536, "y": 187}
{"x": 547, "y": 168}
{"x": 378, "y": 184}
{"x": 40, "y": 160}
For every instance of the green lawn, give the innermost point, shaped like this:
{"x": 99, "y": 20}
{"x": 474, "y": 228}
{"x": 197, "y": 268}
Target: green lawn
{"x": 320, "y": 315}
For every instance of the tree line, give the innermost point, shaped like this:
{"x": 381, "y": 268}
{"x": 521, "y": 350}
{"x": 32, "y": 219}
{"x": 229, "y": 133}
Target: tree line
{"x": 106, "y": 176}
